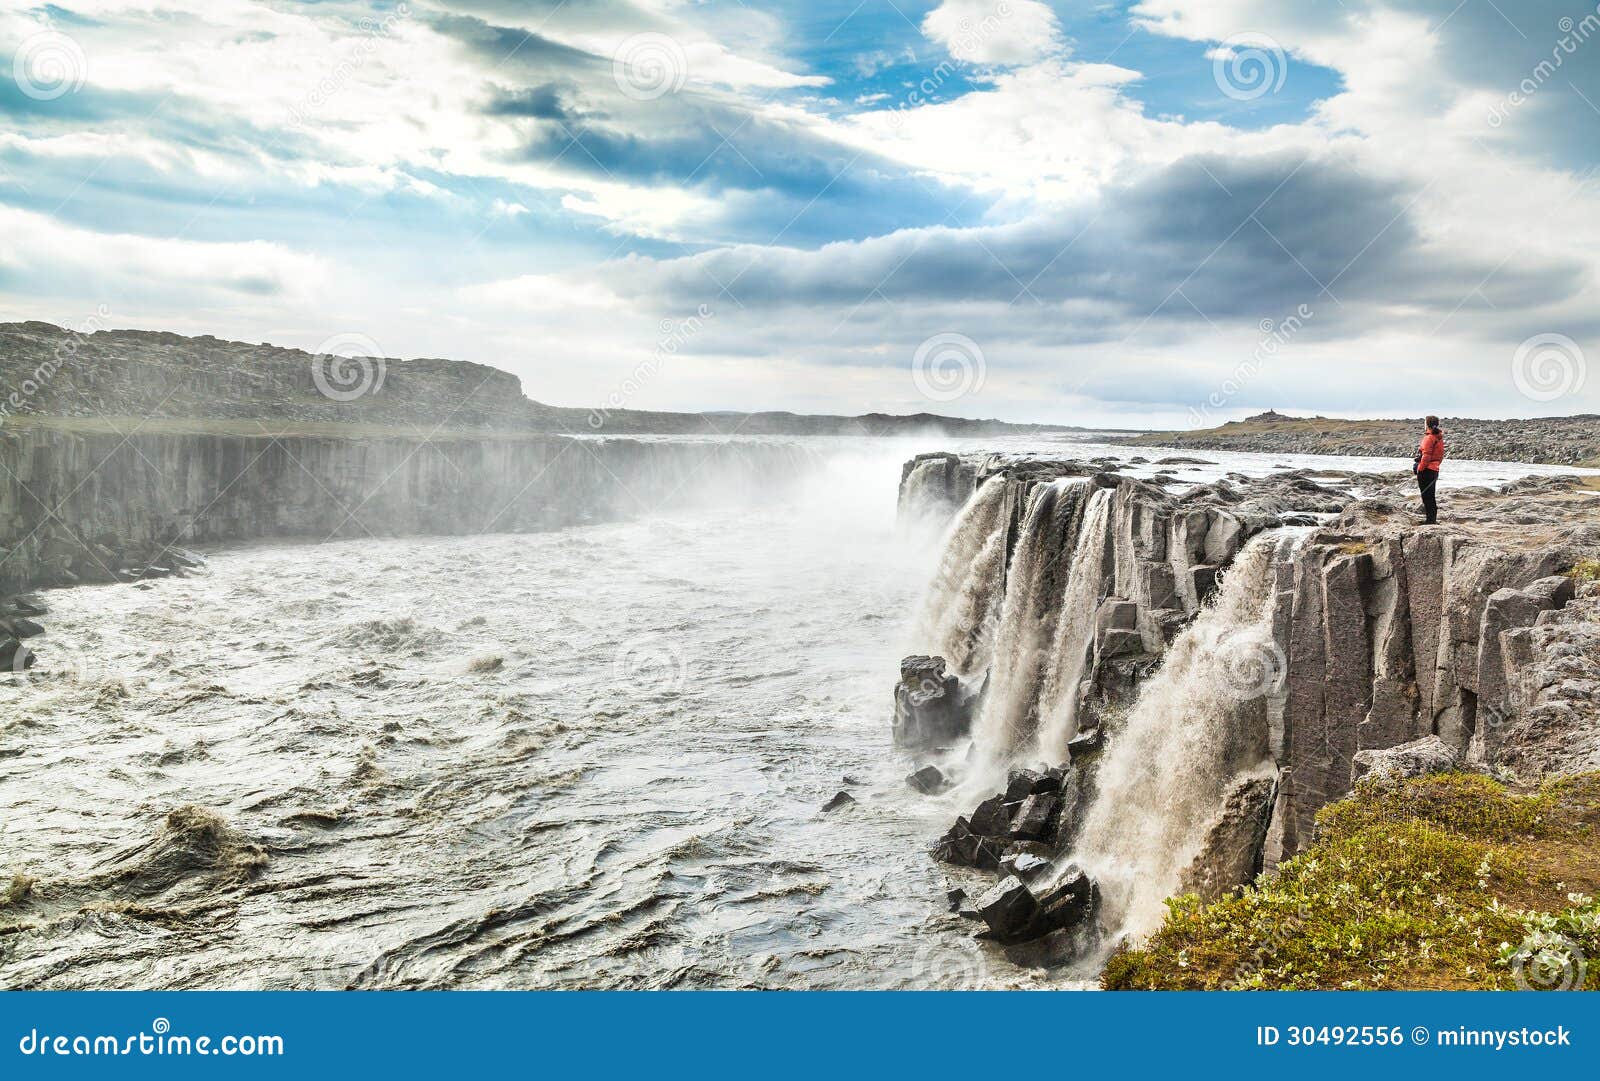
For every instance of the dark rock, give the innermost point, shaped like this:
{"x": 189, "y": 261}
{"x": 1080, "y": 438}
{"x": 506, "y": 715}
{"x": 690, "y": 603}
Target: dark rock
{"x": 929, "y": 780}
{"x": 956, "y": 898}
{"x": 1009, "y": 909}
{"x": 1085, "y": 743}
{"x": 964, "y": 848}
{"x": 1035, "y": 819}
{"x": 24, "y": 629}
{"x": 1022, "y": 783}
{"x": 1231, "y": 854}
{"x": 14, "y": 656}
{"x": 930, "y": 709}
{"x": 1071, "y": 899}
{"x": 991, "y": 818}
{"x": 840, "y": 799}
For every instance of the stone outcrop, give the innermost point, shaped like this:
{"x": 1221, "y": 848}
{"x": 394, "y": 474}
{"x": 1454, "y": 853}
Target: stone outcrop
{"x": 1231, "y": 854}
{"x": 1420, "y": 757}
{"x": 930, "y": 707}
{"x": 1393, "y": 633}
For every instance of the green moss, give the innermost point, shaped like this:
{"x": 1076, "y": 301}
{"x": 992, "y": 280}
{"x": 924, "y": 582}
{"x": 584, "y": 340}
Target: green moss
{"x": 1442, "y": 882}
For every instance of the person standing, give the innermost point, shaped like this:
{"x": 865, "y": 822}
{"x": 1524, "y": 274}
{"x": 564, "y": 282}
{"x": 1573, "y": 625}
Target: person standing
{"x": 1430, "y": 456}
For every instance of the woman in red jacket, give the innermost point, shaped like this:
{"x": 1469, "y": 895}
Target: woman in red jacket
{"x": 1430, "y": 455}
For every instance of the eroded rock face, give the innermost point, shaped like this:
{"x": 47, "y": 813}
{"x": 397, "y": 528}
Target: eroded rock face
{"x": 1551, "y": 720}
{"x": 1232, "y": 853}
{"x": 1395, "y": 634}
{"x": 95, "y": 507}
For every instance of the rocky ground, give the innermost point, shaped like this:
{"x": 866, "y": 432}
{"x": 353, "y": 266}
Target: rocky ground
{"x": 1571, "y": 440}
{"x": 48, "y": 371}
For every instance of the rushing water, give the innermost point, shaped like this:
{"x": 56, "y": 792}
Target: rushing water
{"x": 588, "y": 758}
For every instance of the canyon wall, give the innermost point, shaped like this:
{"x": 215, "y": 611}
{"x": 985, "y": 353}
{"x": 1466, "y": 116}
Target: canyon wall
{"x": 1358, "y": 642}
{"x": 90, "y": 506}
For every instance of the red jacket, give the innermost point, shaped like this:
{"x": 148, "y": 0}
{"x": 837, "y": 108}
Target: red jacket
{"x": 1432, "y": 450}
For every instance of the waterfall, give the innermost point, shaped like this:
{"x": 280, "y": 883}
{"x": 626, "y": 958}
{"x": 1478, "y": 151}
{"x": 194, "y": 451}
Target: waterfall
{"x": 962, "y": 604}
{"x": 1087, "y": 583}
{"x": 1198, "y": 723}
{"x": 1028, "y": 617}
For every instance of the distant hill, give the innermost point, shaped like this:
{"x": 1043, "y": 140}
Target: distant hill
{"x": 1573, "y": 440}
{"x": 49, "y": 371}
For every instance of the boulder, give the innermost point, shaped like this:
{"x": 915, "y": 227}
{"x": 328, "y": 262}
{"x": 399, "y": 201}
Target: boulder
{"x": 929, "y": 780}
{"x": 1009, "y": 909}
{"x": 1035, "y": 818}
{"x": 1022, "y": 783}
{"x": 840, "y": 799}
{"x": 1068, "y": 901}
{"x": 930, "y": 709}
{"x": 1429, "y": 754}
{"x": 991, "y": 818}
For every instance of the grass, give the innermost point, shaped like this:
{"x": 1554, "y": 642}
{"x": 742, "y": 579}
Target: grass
{"x": 1445, "y": 882}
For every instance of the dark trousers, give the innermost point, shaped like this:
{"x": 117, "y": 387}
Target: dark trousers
{"x": 1427, "y": 481}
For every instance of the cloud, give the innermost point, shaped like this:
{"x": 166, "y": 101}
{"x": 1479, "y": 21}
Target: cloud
{"x": 997, "y": 32}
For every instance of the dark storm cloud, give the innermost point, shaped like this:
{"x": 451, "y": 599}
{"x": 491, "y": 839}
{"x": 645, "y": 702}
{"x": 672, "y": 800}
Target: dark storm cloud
{"x": 1204, "y": 240}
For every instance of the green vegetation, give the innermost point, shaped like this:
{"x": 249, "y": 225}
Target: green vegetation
{"x": 1585, "y": 570}
{"x": 1449, "y": 882}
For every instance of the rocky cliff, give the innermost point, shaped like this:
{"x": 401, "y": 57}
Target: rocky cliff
{"x": 1077, "y": 620}
{"x": 87, "y": 506}
{"x": 46, "y": 370}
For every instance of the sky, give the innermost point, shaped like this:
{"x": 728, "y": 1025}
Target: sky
{"x": 1160, "y": 213}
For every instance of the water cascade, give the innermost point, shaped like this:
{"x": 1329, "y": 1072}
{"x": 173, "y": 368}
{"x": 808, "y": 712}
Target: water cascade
{"x": 962, "y": 604}
{"x": 1036, "y": 583}
{"x": 1199, "y": 724}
